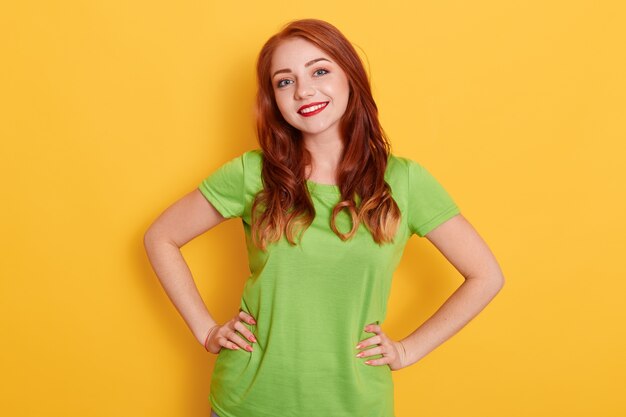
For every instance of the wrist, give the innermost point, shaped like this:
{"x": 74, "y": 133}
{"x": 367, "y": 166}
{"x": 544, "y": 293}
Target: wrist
{"x": 409, "y": 351}
{"x": 201, "y": 329}
{"x": 405, "y": 356}
{"x": 208, "y": 334}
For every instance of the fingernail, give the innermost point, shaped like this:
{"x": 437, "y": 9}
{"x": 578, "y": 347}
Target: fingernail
{"x": 358, "y": 346}
{"x": 249, "y": 348}
{"x": 368, "y": 362}
{"x": 253, "y": 338}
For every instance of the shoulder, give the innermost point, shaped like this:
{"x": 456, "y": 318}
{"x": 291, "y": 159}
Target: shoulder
{"x": 249, "y": 159}
{"x": 400, "y": 167}
{"x": 244, "y": 164}
{"x": 255, "y": 153}
{"x": 253, "y": 168}
{"x": 407, "y": 174}
{"x": 253, "y": 157}
{"x": 402, "y": 161}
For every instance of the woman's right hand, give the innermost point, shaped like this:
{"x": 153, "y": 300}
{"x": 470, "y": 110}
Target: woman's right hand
{"x": 225, "y": 335}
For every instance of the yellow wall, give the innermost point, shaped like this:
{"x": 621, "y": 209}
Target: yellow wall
{"x": 112, "y": 110}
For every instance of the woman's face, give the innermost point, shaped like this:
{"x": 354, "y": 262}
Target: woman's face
{"x": 311, "y": 90}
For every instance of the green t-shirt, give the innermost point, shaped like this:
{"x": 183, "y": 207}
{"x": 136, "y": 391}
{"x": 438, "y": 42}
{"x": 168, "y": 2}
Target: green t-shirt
{"x": 312, "y": 301}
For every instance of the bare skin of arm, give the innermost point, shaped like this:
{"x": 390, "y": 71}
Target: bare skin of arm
{"x": 181, "y": 222}
{"x": 463, "y": 247}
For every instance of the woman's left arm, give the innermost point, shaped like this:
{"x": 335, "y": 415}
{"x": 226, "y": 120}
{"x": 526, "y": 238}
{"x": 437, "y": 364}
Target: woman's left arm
{"x": 460, "y": 244}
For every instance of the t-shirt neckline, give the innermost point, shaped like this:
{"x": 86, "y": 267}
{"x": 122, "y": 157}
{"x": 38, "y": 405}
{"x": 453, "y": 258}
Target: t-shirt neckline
{"x": 323, "y": 188}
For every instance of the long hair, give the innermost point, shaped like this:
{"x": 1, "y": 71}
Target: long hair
{"x": 284, "y": 205}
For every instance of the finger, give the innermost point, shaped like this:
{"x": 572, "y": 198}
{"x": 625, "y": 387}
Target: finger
{"x": 234, "y": 337}
{"x": 377, "y": 362}
{"x": 372, "y": 328}
{"x": 222, "y": 339}
{"x": 374, "y": 340}
{"x": 378, "y": 350}
{"x": 245, "y": 331}
{"x": 246, "y": 317}
{"x": 227, "y": 343}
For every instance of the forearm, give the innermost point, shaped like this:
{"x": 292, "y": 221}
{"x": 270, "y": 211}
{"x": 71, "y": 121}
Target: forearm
{"x": 176, "y": 279}
{"x": 458, "y": 310}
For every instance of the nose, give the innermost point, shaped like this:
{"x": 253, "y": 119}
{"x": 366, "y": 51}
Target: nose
{"x": 304, "y": 90}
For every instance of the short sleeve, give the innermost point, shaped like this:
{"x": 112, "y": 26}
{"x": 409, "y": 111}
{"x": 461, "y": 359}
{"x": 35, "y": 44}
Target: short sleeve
{"x": 224, "y": 188}
{"x": 429, "y": 203}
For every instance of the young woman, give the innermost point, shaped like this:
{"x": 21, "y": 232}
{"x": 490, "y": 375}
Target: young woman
{"x": 327, "y": 210}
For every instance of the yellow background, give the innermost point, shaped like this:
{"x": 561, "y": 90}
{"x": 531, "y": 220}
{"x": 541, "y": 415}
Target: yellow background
{"x": 113, "y": 110}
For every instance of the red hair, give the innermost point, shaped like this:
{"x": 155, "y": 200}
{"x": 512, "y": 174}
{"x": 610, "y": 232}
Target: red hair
{"x": 286, "y": 205}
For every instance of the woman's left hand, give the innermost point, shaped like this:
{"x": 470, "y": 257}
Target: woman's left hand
{"x": 393, "y": 352}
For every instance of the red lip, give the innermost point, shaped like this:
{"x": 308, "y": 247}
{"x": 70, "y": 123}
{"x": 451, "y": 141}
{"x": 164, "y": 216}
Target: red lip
{"x": 311, "y": 105}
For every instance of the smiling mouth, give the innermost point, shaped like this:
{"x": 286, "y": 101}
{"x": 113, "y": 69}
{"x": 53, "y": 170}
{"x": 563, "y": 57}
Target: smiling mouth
{"x": 312, "y": 109}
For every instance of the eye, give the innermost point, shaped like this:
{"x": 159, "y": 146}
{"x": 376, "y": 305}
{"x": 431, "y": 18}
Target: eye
{"x": 283, "y": 82}
{"x": 321, "y": 71}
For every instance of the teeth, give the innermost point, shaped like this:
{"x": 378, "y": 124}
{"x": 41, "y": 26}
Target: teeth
{"x": 310, "y": 109}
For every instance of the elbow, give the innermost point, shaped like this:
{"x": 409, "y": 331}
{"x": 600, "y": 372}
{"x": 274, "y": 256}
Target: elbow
{"x": 147, "y": 241}
{"x": 149, "y": 237}
{"x": 499, "y": 282}
{"x": 496, "y": 281}
{"x": 154, "y": 236}
{"x": 491, "y": 282}
{"x": 491, "y": 285}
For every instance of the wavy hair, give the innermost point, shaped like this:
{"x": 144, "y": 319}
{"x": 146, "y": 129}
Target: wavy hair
{"x": 284, "y": 206}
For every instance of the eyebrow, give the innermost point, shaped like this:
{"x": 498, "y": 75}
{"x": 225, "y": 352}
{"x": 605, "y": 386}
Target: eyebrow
{"x": 308, "y": 64}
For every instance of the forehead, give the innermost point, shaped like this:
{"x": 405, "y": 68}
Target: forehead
{"x": 294, "y": 53}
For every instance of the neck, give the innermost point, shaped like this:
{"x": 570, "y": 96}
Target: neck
{"x": 325, "y": 150}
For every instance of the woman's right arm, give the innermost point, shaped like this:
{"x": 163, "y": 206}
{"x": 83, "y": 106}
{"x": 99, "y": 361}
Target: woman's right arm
{"x": 187, "y": 218}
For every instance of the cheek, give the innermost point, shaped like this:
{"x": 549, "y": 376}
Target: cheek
{"x": 282, "y": 106}
{"x": 342, "y": 91}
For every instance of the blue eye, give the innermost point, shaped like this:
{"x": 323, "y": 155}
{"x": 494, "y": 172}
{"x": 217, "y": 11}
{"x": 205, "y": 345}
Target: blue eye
{"x": 284, "y": 82}
{"x": 281, "y": 83}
